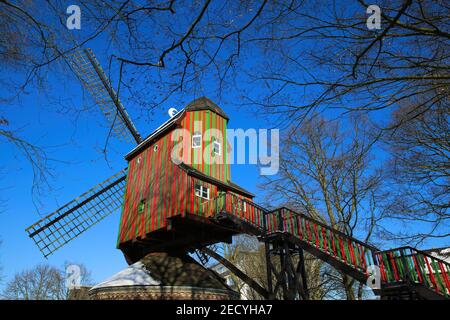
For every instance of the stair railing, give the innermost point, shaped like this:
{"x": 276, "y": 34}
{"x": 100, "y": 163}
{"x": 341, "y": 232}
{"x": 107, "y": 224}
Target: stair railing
{"x": 405, "y": 265}
{"x": 339, "y": 245}
{"x": 412, "y": 266}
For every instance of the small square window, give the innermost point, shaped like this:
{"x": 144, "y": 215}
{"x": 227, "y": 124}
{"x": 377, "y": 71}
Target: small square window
{"x": 141, "y": 206}
{"x": 197, "y": 140}
{"x": 198, "y": 190}
{"x": 217, "y": 148}
{"x": 201, "y": 191}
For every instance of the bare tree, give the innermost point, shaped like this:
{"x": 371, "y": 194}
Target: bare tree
{"x": 42, "y": 282}
{"x": 37, "y": 158}
{"x": 328, "y": 58}
{"x": 420, "y": 172}
{"x": 237, "y": 253}
{"x": 287, "y": 49}
{"x": 328, "y": 172}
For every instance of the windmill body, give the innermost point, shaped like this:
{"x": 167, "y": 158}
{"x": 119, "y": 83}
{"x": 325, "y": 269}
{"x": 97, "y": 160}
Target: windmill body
{"x": 173, "y": 177}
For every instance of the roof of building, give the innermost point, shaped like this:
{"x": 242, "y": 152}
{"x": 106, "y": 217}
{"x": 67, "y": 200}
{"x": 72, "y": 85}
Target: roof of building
{"x": 202, "y": 103}
{"x": 227, "y": 185}
{"x": 440, "y": 253}
{"x": 162, "y": 269}
{"x": 136, "y": 274}
{"x": 162, "y": 129}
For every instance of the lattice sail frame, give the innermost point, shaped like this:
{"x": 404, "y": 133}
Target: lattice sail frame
{"x": 80, "y": 214}
{"x": 89, "y": 71}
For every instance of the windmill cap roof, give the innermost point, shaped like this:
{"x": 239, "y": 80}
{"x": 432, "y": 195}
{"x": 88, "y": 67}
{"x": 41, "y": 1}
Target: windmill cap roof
{"x": 204, "y": 103}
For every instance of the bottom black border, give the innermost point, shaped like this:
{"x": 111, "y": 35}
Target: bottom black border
{"x": 217, "y": 309}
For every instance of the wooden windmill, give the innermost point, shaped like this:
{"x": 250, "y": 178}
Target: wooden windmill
{"x": 166, "y": 205}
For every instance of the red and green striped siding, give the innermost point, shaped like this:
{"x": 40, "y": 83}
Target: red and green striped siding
{"x": 167, "y": 189}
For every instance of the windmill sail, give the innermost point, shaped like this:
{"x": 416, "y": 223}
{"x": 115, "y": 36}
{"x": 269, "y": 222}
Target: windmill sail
{"x": 90, "y": 73}
{"x": 72, "y": 219}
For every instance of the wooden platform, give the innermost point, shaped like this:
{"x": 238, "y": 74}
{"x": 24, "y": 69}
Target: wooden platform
{"x": 183, "y": 234}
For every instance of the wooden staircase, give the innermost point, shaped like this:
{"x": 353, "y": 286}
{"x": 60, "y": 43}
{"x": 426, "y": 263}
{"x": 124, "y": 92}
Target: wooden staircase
{"x": 403, "y": 272}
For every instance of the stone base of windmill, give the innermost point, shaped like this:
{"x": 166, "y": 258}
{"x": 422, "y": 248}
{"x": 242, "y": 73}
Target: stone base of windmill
{"x": 163, "y": 276}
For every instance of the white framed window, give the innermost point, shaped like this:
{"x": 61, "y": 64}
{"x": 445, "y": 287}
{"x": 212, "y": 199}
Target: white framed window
{"x": 244, "y": 206}
{"x": 201, "y": 191}
{"x": 217, "y": 148}
{"x": 197, "y": 140}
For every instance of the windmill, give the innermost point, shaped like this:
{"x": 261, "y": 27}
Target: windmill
{"x": 69, "y": 221}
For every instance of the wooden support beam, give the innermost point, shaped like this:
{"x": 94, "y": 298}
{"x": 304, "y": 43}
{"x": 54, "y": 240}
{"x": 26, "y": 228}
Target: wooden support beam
{"x": 230, "y": 266}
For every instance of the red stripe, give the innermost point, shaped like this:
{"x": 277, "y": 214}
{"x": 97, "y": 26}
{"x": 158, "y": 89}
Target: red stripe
{"x": 394, "y": 266}
{"x": 134, "y": 204}
{"x": 444, "y": 275}
{"x": 317, "y": 235}
{"x": 417, "y": 269}
{"x": 352, "y": 252}
{"x": 341, "y": 245}
{"x": 333, "y": 244}
{"x": 124, "y": 225}
{"x": 431, "y": 272}
{"x": 324, "y": 235}
{"x": 382, "y": 269}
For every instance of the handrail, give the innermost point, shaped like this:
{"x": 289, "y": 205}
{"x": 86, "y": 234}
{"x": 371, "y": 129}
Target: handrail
{"x": 400, "y": 265}
{"x": 346, "y": 249}
{"x": 329, "y": 228}
{"x": 340, "y": 246}
{"x": 412, "y": 266}
{"x": 242, "y": 208}
{"x": 418, "y": 251}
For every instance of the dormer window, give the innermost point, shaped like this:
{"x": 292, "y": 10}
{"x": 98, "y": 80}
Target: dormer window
{"x": 217, "y": 148}
{"x": 197, "y": 140}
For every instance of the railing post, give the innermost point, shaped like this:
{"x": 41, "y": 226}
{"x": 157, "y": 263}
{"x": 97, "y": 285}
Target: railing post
{"x": 268, "y": 269}
{"x": 280, "y": 226}
{"x": 405, "y": 266}
{"x": 302, "y": 271}
{"x": 267, "y": 253}
{"x": 216, "y": 205}
{"x": 377, "y": 263}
